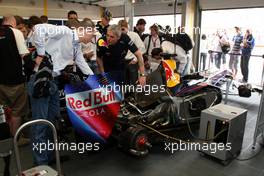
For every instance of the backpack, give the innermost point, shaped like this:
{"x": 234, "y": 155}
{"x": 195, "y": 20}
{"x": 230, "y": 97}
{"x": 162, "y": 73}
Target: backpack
{"x": 41, "y": 84}
{"x": 184, "y": 41}
{"x": 224, "y": 47}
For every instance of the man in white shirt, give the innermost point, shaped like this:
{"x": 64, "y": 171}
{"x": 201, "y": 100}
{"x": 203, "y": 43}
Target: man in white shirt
{"x": 153, "y": 40}
{"x": 131, "y": 59}
{"x": 64, "y": 47}
{"x": 63, "y": 44}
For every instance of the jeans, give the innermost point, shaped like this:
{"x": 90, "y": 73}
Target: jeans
{"x": 244, "y": 66}
{"x": 233, "y": 62}
{"x": 218, "y": 60}
{"x": 203, "y": 58}
{"x": 187, "y": 67}
{"x": 47, "y": 108}
{"x": 224, "y": 58}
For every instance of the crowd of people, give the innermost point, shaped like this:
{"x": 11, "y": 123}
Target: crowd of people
{"x": 239, "y": 47}
{"x": 37, "y": 57}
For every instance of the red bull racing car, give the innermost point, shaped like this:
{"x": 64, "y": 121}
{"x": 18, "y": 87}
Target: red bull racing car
{"x": 100, "y": 113}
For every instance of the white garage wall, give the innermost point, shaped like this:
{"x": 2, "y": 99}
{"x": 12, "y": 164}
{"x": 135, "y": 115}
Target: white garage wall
{"x": 162, "y": 20}
{"x": 146, "y": 10}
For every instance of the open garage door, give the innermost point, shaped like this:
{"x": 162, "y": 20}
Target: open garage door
{"x": 225, "y": 21}
{"x": 230, "y": 4}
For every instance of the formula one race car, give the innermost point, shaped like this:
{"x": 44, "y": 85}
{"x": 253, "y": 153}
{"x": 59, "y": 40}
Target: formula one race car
{"x": 167, "y": 101}
{"x": 180, "y": 104}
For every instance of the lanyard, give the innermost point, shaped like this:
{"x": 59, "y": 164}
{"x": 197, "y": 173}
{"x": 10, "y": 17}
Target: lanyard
{"x": 154, "y": 42}
{"x": 74, "y": 52}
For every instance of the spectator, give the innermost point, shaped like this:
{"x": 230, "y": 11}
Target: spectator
{"x": 23, "y": 140}
{"x": 32, "y": 21}
{"x": 153, "y": 40}
{"x": 24, "y": 31}
{"x": 102, "y": 25}
{"x": 248, "y": 45}
{"x": 19, "y": 22}
{"x": 63, "y": 46}
{"x": 73, "y": 24}
{"x": 131, "y": 59}
{"x": 225, "y": 42}
{"x": 72, "y": 15}
{"x": 219, "y": 42}
{"x": 89, "y": 50}
{"x": 21, "y": 26}
{"x": 237, "y": 40}
{"x": 44, "y": 19}
{"x": 204, "y": 51}
{"x": 12, "y": 80}
{"x": 211, "y": 47}
{"x": 140, "y": 28}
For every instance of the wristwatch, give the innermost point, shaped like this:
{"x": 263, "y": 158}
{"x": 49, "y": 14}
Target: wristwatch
{"x": 142, "y": 74}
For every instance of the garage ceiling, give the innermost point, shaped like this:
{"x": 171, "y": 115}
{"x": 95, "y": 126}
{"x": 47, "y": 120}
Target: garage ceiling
{"x": 103, "y": 3}
{"x": 112, "y": 3}
{"x": 205, "y": 4}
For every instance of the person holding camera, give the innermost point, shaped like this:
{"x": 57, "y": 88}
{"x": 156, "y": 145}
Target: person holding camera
{"x": 248, "y": 45}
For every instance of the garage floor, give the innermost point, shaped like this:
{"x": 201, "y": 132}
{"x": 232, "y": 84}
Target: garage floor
{"x": 112, "y": 162}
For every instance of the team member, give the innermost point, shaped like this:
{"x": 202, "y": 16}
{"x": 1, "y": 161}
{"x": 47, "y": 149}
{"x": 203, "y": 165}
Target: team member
{"x": 72, "y": 15}
{"x": 102, "y": 25}
{"x": 12, "y": 79}
{"x": 44, "y": 19}
{"x": 131, "y": 59}
{"x": 153, "y": 40}
{"x": 63, "y": 45}
{"x": 112, "y": 50}
{"x": 140, "y": 28}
